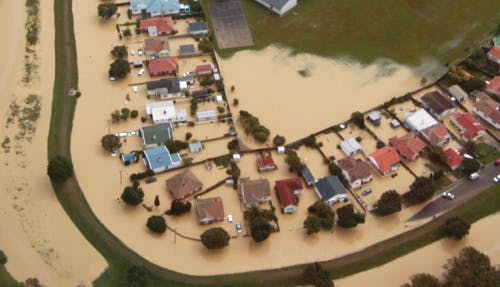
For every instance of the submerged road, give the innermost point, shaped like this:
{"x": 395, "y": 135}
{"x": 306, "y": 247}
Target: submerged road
{"x": 463, "y": 191}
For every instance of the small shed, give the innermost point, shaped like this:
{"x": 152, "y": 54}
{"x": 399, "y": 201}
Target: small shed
{"x": 236, "y": 157}
{"x": 457, "y": 93}
{"x": 195, "y": 146}
{"x": 219, "y": 99}
{"x": 281, "y": 149}
{"x": 208, "y": 115}
{"x": 395, "y": 124}
{"x": 201, "y": 94}
{"x": 128, "y": 158}
{"x": 374, "y": 118}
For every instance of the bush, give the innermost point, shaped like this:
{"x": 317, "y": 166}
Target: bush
{"x": 215, "y": 238}
{"x": 437, "y": 155}
{"x": 334, "y": 169}
{"x": 456, "y": 227}
{"x": 178, "y": 207}
{"x": 312, "y": 224}
{"x": 260, "y": 229}
{"x": 132, "y": 195}
{"x": 125, "y": 113}
{"x": 175, "y": 146}
{"x": 188, "y": 136}
{"x": 106, "y": 10}
{"x": 59, "y": 169}
{"x": 348, "y": 218}
{"x": 388, "y": 203}
{"x": 323, "y": 212}
{"x": 421, "y": 190}
{"x": 220, "y": 86}
{"x": 137, "y": 277}
{"x": 293, "y": 161}
{"x": 279, "y": 140}
{"x": 110, "y": 142}
{"x": 252, "y": 126}
{"x": 190, "y": 124}
{"x": 157, "y": 224}
{"x": 134, "y": 114}
{"x": 221, "y": 109}
{"x": 358, "y": 118}
{"x": 119, "y": 52}
{"x": 317, "y": 276}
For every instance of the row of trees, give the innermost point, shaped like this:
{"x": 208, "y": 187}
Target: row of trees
{"x": 258, "y": 219}
{"x": 252, "y": 126}
{"x": 322, "y": 217}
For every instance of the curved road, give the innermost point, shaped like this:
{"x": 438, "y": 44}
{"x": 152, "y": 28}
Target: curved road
{"x": 463, "y": 191}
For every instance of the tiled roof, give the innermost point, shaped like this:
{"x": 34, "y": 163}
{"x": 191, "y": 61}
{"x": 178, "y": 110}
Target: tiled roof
{"x": 408, "y": 145}
{"x": 437, "y": 102}
{"x": 183, "y": 184}
{"x": 494, "y": 52}
{"x": 357, "y": 169}
{"x": 436, "y": 133}
{"x": 494, "y": 85}
{"x": 488, "y": 106}
{"x": 253, "y": 191}
{"x": 385, "y": 157}
{"x": 163, "y": 66}
{"x": 156, "y": 44}
{"x": 210, "y": 209}
{"x": 452, "y": 158}
{"x": 471, "y": 126}
{"x": 285, "y": 189}
{"x": 162, "y": 24}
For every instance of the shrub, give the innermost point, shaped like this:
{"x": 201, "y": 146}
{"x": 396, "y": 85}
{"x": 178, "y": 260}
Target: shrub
{"x": 293, "y": 161}
{"x": 106, "y": 10}
{"x": 175, "y": 146}
{"x": 156, "y": 224}
{"x": 132, "y": 195}
{"x": 59, "y": 169}
{"x": 348, "y": 218}
{"x": 279, "y": 140}
{"x": 125, "y": 113}
{"x": 188, "y": 136}
{"x": 137, "y": 276}
{"x": 119, "y": 52}
{"x": 110, "y": 142}
{"x": 221, "y": 109}
{"x": 134, "y": 114}
{"x": 215, "y": 238}
{"x": 317, "y": 276}
{"x": 358, "y": 118}
{"x": 312, "y": 224}
{"x": 190, "y": 124}
{"x": 470, "y": 165}
{"x": 178, "y": 207}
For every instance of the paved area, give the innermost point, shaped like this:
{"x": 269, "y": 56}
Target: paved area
{"x": 463, "y": 191}
{"x": 230, "y": 24}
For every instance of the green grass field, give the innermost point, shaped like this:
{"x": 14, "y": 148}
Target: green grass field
{"x": 6, "y": 280}
{"x": 405, "y": 31}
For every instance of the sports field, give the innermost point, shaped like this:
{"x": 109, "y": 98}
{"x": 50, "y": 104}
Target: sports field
{"x": 406, "y": 31}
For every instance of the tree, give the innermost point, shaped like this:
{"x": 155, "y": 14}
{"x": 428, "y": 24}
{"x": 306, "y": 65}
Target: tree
{"x": 312, "y": 224}
{"x": 110, "y": 142}
{"x": 175, "y": 146}
{"x": 134, "y": 114}
{"x": 358, "y": 118}
{"x": 156, "y": 224}
{"x": 293, "y": 161}
{"x": 317, "y": 276}
{"x": 32, "y": 282}
{"x": 125, "y": 113}
{"x": 437, "y": 155}
{"x": 119, "y": 52}
{"x": 470, "y": 165}
{"x": 132, "y": 195}
{"x": 206, "y": 81}
{"x": 310, "y": 141}
{"x": 324, "y": 213}
{"x": 178, "y": 207}
{"x": 260, "y": 229}
{"x": 456, "y": 73}
{"x": 388, "y": 203}
{"x": 334, "y": 169}
{"x": 106, "y": 10}
{"x": 3, "y": 258}
{"x": 233, "y": 146}
{"x": 279, "y": 140}
{"x": 205, "y": 46}
{"x": 157, "y": 201}
{"x": 473, "y": 84}
{"x": 119, "y": 69}
{"x": 127, "y": 33}
{"x": 59, "y": 169}
{"x": 137, "y": 276}
{"x": 348, "y": 218}
{"x": 456, "y": 227}
{"x": 188, "y": 136}
{"x": 115, "y": 116}
{"x": 420, "y": 190}
{"x": 470, "y": 269}
{"x": 215, "y": 238}
{"x": 423, "y": 280}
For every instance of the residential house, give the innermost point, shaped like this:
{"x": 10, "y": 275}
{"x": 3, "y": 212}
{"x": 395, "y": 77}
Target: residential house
{"x": 200, "y": 94}
{"x": 279, "y": 7}
{"x": 208, "y": 115}
{"x": 436, "y": 135}
{"x": 385, "y": 160}
{"x": 159, "y": 159}
{"x": 287, "y": 191}
{"x": 307, "y": 175}
{"x": 265, "y": 163}
{"x": 128, "y": 158}
{"x": 157, "y": 26}
{"x": 437, "y": 104}
{"x": 209, "y": 210}
{"x": 494, "y": 55}
{"x": 254, "y": 192}
{"x": 202, "y": 70}
{"x": 198, "y": 29}
{"x": 493, "y": 87}
{"x": 195, "y": 146}
{"x": 421, "y": 122}
{"x": 374, "y": 117}
{"x": 187, "y": 50}
{"x": 165, "y": 112}
{"x": 330, "y": 189}
{"x": 395, "y": 124}
{"x": 453, "y": 159}
{"x": 350, "y": 146}
{"x": 409, "y": 145}
{"x": 186, "y": 82}
{"x": 457, "y": 93}
{"x": 155, "y": 7}
{"x": 184, "y": 184}
{"x": 156, "y": 135}
{"x": 488, "y": 109}
{"x": 355, "y": 171}
{"x": 470, "y": 128}
{"x": 164, "y": 88}
{"x": 157, "y": 47}
{"x": 163, "y": 66}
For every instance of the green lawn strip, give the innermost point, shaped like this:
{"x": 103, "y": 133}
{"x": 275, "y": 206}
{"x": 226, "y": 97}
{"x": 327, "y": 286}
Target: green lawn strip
{"x": 487, "y": 153}
{"x": 404, "y": 31}
{"x": 6, "y": 280}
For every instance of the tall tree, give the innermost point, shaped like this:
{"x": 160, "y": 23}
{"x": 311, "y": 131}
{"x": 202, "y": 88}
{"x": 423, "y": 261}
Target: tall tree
{"x": 157, "y": 201}
{"x": 358, "y": 118}
{"x": 119, "y": 69}
{"x": 279, "y": 140}
{"x": 317, "y": 276}
{"x": 215, "y": 238}
{"x": 470, "y": 165}
{"x": 119, "y": 52}
{"x": 348, "y": 218}
{"x": 106, "y": 10}
{"x": 420, "y": 190}
{"x": 388, "y": 203}
{"x": 132, "y": 195}
{"x": 110, "y": 142}
{"x": 456, "y": 227}
{"x": 293, "y": 161}
{"x": 59, "y": 169}
{"x": 312, "y": 224}
{"x": 260, "y": 229}
{"x": 156, "y": 224}
{"x": 423, "y": 280}
{"x": 470, "y": 269}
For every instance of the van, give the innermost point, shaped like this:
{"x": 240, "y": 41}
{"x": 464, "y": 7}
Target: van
{"x": 141, "y": 72}
{"x": 474, "y": 176}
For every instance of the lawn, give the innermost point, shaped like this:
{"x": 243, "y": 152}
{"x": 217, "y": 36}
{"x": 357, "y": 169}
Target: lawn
{"x": 487, "y": 153}
{"x": 405, "y": 31}
{"x": 6, "y": 280}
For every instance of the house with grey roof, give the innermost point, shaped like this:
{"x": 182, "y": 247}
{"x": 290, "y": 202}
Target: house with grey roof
{"x": 164, "y": 88}
{"x": 307, "y": 175}
{"x": 159, "y": 159}
{"x": 195, "y": 146}
{"x": 330, "y": 189}
{"x": 279, "y": 7}
{"x": 156, "y": 135}
{"x": 198, "y": 29}
{"x": 155, "y": 7}
{"x": 187, "y": 50}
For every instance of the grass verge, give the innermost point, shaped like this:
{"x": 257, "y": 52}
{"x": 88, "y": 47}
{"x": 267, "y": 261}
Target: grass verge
{"x": 6, "y": 280}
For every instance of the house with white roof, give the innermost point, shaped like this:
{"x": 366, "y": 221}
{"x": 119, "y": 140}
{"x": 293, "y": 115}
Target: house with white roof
{"x": 350, "y": 146}
{"x": 155, "y": 7}
{"x": 165, "y": 112}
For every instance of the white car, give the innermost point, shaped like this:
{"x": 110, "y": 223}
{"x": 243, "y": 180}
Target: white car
{"x": 132, "y": 52}
{"x": 141, "y": 72}
{"x": 135, "y": 89}
{"x": 139, "y": 52}
{"x": 230, "y": 218}
{"x": 239, "y": 229}
{"x": 496, "y": 179}
{"x": 448, "y": 195}
{"x": 133, "y": 134}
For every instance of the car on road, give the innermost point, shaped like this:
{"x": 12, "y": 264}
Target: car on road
{"x": 496, "y": 179}
{"x": 474, "y": 176}
{"x": 448, "y": 195}
{"x": 366, "y": 192}
{"x": 239, "y": 229}
{"x": 150, "y": 180}
{"x": 230, "y": 218}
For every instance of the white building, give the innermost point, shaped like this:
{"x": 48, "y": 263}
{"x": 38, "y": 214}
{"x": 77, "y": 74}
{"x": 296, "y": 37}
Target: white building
{"x": 165, "y": 112}
{"x": 420, "y": 120}
{"x": 457, "y": 93}
{"x": 208, "y": 115}
{"x": 350, "y": 146}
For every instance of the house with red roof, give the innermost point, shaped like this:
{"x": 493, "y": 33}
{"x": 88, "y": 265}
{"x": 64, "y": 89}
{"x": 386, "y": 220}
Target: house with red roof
{"x": 209, "y": 210}
{"x": 385, "y": 160}
{"x": 436, "y": 135}
{"x": 265, "y": 163}
{"x": 157, "y": 47}
{"x": 494, "y": 55}
{"x": 470, "y": 128}
{"x": 205, "y": 69}
{"x": 409, "y": 145}
{"x": 355, "y": 171}
{"x": 493, "y": 87}
{"x": 158, "y": 26}
{"x": 453, "y": 159}
{"x": 288, "y": 191}
{"x": 163, "y": 66}
{"x": 488, "y": 109}
{"x": 183, "y": 185}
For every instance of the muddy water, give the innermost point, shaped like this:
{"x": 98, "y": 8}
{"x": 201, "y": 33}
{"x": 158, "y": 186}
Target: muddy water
{"x": 431, "y": 258}
{"x": 35, "y": 233}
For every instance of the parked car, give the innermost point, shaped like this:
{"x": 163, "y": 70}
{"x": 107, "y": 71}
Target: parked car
{"x": 141, "y": 72}
{"x": 112, "y": 78}
{"x": 239, "y": 229}
{"x": 133, "y": 134}
{"x": 496, "y": 179}
{"x": 448, "y": 195}
{"x": 139, "y": 52}
{"x": 474, "y": 176}
{"x": 150, "y": 180}
{"x": 230, "y": 218}
{"x": 135, "y": 89}
{"x": 121, "y": 135}
{"x": 132, "y": 52}
{"x": 366, "y": 192}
